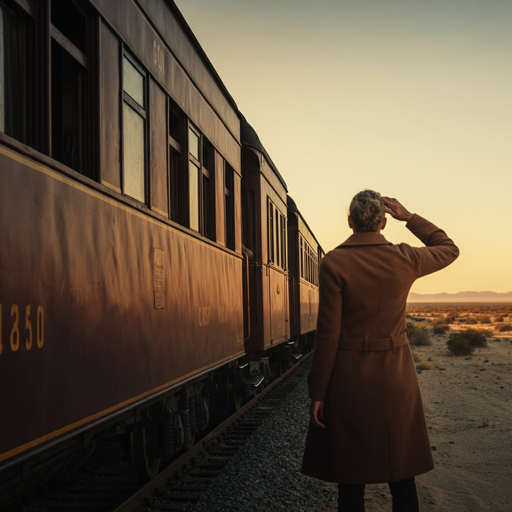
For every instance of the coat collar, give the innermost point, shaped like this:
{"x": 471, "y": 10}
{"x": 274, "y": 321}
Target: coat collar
{"x": 366, "y": 238}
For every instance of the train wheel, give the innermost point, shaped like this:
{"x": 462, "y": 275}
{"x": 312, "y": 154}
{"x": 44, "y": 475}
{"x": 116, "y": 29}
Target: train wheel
{"x": 145, "y": 464}
{"x": 278, "y": 368}
{"x": 264, "y": 370}
{"x": 234, "y": 399}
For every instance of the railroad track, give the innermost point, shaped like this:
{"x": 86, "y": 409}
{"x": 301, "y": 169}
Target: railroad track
{"x": 179, "y": 485}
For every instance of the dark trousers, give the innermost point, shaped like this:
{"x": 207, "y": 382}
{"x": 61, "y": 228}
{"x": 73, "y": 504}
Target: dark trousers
{"x": 405, "y": 497}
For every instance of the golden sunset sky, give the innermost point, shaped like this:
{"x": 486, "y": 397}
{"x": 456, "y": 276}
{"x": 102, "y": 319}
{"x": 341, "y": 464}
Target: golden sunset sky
{"x": 412, "y": 98}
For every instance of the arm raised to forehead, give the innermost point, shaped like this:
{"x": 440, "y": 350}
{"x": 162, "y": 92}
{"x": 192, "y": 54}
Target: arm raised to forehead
{"x": 396, "y": 209}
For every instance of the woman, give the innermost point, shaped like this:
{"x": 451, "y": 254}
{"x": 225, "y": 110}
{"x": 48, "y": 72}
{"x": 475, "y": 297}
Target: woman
{"x": 367, "y": 418}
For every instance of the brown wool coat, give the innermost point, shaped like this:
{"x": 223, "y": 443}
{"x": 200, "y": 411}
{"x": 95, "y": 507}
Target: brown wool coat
{"x": 375, "y": 423}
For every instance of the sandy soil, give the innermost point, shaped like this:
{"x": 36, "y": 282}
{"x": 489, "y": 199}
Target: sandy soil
{"x": 468, "y": 405}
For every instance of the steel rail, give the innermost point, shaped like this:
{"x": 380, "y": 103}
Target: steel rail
{"x": 135, "y": 502}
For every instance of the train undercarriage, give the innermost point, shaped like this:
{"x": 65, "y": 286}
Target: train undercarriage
{"x": 160, "y": 428}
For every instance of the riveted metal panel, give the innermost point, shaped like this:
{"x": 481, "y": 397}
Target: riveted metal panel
{"x": 80, "y": 274}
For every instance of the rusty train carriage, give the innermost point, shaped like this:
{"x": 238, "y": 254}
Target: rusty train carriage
{"x": 305, "y": 254}
{"x": 129, "y": 308}
{"x": 265, "y": 240}
{"x": 121, "y": 260}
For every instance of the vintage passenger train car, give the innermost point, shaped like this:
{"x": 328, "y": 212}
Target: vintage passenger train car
{"x": 304, "y": 256}
{"x": 129, "y": 307}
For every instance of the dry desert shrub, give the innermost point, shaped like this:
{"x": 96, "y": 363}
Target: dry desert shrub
{"x": 477, "y": 337}
{"x": 503, "y": 327}
{"x": 459, "y": 346}
{"x": 484, "y": 320}
{"x": 467, "y": 320}
{"x": 487, "y": 333}
{"x": 498, "y": 319}
{"x": 440, "y": 329}
{"x": 424, "y": 365}
{"x": 420, "y": 338}
{"x": 465, "y": 343}
{"x": 416, "y": 357}
{"x": 412, "y": 327}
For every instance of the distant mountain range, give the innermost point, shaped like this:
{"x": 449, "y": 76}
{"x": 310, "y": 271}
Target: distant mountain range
{"x": 461, "y": 297}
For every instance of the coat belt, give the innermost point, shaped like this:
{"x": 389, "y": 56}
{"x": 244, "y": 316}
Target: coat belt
{"x": 367, "y": 345}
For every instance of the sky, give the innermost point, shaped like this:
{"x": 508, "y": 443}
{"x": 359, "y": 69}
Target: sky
{"x": 412, "y": 98}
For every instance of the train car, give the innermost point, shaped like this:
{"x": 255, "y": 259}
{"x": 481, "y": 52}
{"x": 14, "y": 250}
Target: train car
{"x": 121, "y": 298}
{"x": 304, "y": 255}
{"x": 265, "y": 242}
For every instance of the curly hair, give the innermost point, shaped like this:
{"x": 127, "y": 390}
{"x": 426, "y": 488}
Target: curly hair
{"x": 367, "y": 210}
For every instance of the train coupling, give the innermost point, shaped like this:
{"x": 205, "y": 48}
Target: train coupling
{"x": 242, "y": 363}
{"x": 292, "y": 345}
{"x": 253, "y": 380}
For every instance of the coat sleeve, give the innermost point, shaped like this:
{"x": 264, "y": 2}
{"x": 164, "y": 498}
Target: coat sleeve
{"x": 440, "y": 250}
{"x": 328, "y": 330}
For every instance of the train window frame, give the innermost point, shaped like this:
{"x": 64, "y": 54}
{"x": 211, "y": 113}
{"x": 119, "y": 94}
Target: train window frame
{"x": 229, "y": 205}
{"x": 72, "y": 93}
{"x": 283, "y": 243}
{"x": 270, "y": 230}
{"x": 17, "y": 53}
{"x": 201, "y": 183}
{"x": 178, "y": 174}
{"x": 129, "y": 107}
{"x": 277, "y": 239}
{"x": 276, "y": 235}
{"x": 301, "y": 251}
{"x": 308, "y": 261}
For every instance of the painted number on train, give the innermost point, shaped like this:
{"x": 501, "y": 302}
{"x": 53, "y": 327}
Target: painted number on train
{"x": 222, "y": 315}
{"x": 25, "y": 328}
{"x": 204, "y": 316}
{"x": 158, "y": 56}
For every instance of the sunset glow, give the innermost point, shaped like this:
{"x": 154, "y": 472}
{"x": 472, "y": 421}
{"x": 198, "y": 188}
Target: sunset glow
{"x": 413, "y": 99}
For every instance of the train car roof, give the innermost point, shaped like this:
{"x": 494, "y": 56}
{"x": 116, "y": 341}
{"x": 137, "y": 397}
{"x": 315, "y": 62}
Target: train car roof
{"x": 250, "y": 138}
{"x": 186, "y": 27}
{"x": 292, "y": 205}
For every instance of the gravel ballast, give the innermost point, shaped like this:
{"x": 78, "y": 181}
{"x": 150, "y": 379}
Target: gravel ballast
{"x": 265, "y": 474}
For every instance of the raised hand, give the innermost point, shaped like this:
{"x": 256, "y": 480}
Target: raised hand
{"x": 396, "y": 210}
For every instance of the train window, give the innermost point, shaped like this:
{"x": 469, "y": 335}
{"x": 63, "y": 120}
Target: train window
{"x": 178, "y": 175}
{"x": 301, "y": 257}
{"x": 270, "y": 231}
{"x": 208, "y": 191}
{"x": 201, "y": 186}
{"x": 134, "y": 129}
{"x": 175, "y": 126}
{"x": 308, "y": 262}
{"x": 70, "y": 21}
{"x": 276, "y": 234}
{"x": 283, "y": 242}
{"x": 229, "y": 195}
{"x": 193, "y": 176}
{"x": 193, "y": 143}
{"x": 193, "y": 188}
{"x": 15, "y": 30}
{"x": 69, "y": 86}
{"x": 133, "y": 82}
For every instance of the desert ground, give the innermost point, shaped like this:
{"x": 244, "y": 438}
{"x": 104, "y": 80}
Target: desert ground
{"x": 468, "y": 406}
